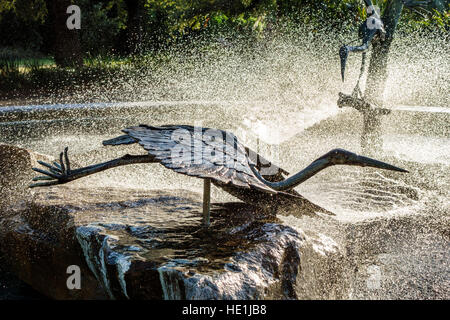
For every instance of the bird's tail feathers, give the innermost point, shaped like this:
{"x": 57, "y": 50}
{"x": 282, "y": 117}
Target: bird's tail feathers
{"x": 124, "y": 139}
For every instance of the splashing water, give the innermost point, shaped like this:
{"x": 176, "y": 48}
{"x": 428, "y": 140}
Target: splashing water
{"x": 280, "y": 99}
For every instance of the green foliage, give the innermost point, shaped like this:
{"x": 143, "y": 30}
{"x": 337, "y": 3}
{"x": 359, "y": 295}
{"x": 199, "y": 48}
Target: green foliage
{"x": 430, "y": 20}
{"x": 15, "y": 64}
{"x": 105, "y": 28}
{"x": 104, "y": 22}
{"x": 441, "y": 19}
{"x": 101, "y": 24}
{"x": 7, "y": 5}
{"x": 20, "y": 24}
{"x": 9, "y": 66}
{"x": 26, "y": 10}
{"x": 187, "y": 16}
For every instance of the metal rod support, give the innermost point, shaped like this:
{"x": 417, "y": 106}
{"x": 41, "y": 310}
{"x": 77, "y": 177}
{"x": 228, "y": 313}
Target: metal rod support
{"x": 206, "y": 201}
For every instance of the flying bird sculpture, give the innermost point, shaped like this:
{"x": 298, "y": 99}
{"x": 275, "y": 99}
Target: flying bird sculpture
{"x": 216, "y": 156}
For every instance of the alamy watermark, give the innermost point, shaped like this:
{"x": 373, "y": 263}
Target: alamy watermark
{"x": 74, "y": 20}
{"x": 219, "y": 148}
{"x": 373, "y": 282}
{"x": 74, "y": 280}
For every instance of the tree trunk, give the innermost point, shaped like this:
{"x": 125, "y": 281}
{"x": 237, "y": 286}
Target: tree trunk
{"x": 134, "y": 25}
{"x": 67, "y": 49}
{"x": 371, "y": 140}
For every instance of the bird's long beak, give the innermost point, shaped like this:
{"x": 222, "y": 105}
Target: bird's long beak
{"x": 369, "y": 162}
{"x": 343, "y": 54}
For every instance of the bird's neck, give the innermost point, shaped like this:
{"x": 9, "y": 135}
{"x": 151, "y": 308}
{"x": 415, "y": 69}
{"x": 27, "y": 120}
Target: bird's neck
{"x": 296, "y": 179}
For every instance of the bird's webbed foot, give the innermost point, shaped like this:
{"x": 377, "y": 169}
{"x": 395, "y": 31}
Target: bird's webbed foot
{"x": 56, "y": 173}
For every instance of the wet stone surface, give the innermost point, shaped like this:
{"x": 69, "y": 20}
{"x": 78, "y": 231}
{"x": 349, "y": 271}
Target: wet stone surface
{"x": 149, "y": 245}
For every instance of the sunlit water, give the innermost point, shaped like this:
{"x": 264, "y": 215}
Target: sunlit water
{"x": 355, "y": 195}
{"x": 292, "y": 140}
{"x": 282, "y": 103}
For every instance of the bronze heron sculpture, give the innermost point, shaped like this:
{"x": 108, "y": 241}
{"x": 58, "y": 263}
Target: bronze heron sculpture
{"x": 216, "y": 156}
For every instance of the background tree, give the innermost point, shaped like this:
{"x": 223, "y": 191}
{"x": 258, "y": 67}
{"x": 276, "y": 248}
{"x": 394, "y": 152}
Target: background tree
{"x": 67, "y": 48}
{"x": 140, "y": 26}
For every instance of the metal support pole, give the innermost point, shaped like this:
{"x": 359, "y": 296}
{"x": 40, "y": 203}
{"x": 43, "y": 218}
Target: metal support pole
{"x": 206, "y": 201}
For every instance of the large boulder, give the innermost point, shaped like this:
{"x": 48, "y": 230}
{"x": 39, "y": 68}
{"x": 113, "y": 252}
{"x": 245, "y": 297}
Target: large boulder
{"x": 15, "y": 171}
{"x": 151, "y": 245}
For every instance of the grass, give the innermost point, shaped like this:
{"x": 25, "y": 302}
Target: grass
{"x": 28, "y": 77}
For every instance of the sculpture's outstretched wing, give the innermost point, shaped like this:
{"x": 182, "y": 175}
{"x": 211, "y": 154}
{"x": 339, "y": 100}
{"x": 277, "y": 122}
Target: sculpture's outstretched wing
{"x": 200, "y": 152}
{"x": 275, "y": 173}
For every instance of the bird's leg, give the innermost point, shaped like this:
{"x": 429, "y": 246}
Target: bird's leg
{"x": 334, "y": 157}
{"x": 356, "y": 99}
{"x": 206, "y": 201}
{"x": 60, "y": 173}
{"x": 357, "y": 91}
